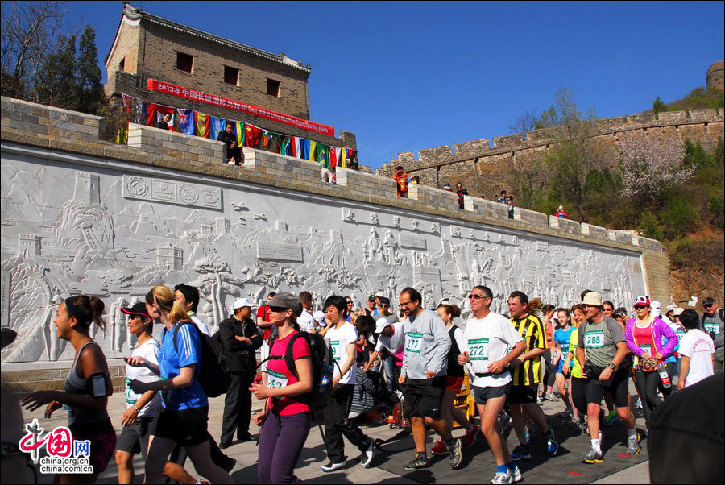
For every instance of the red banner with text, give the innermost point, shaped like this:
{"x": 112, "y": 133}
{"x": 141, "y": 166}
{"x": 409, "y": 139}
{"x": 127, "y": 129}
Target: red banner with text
{"x": 194, "y": 95}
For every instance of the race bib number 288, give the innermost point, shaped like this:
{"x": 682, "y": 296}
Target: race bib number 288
{"x": 594, "y": 339}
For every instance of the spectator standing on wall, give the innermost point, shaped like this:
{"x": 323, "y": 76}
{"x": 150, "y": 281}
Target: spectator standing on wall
{"x": 233, "y": 153}
{"x": 415, "y": 180}
{"x": 447, "y": 187}
{"x": 401, "y": 178}
{"x": 503, "y": 199}
{"x": 164, "y": 123}
{"x": 713, "y": 319}
{"x": 461, "y": 192}
{"x": 511, "y": 205}
{"x": 560, "y": 212}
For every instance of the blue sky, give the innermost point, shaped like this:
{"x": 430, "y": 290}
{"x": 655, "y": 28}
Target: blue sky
{"x": 405, "y": 76}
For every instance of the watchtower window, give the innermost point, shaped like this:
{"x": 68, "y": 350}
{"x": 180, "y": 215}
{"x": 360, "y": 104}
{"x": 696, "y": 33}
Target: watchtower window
{"x": 184, "y": 62}
{"x": 231, "y": 75}
{"x": 273, "y": 87}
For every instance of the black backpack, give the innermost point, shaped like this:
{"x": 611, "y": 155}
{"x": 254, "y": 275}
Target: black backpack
{"x": 322, "y": 372}
{"x": 215, "y": 375}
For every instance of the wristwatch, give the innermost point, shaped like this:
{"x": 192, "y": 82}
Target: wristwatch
{"x": 612, "y": 366}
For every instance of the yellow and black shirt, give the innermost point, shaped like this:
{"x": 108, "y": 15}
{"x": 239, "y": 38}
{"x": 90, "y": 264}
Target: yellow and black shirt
{"x": 532, "y": 331}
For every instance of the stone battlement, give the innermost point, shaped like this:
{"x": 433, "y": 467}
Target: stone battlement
{"x": 542, "y": 139}
{"x": 62, "y": 130}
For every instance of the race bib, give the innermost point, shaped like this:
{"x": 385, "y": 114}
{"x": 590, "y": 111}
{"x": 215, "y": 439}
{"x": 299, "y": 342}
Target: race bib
{"x": 130, "y": 395}
{"x": 594, "y": 339}
{"x": 336, "y": 351}
{"x": 413, "y": 342}
{"x": 712, "y": 328}
{"x": 478, "y": 349}
{"x": 646, "y": 348}
{"x": 276, "y": 380}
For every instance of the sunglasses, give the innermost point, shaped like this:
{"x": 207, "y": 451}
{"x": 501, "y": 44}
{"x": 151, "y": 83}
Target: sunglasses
{"x": 477, "y": 297}
{"x": 277, "y": 309}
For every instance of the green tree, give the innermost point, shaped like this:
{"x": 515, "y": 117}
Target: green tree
{"x": 56, "y": 83}
{"x": 91, "y": 96}
{"x": 659, "y": 105}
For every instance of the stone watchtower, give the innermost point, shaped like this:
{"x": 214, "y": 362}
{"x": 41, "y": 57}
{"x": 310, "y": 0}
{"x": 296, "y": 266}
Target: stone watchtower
{"x": 715, "y": 78}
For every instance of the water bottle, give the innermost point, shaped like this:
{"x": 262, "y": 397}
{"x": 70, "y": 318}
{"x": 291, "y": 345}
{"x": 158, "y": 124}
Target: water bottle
{"x": 664, "y": 376}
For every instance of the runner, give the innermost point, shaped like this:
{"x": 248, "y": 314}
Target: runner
{"x": 698, "y": 352}
{"x": 454, "y": 381}
{"x": 488, "y": 337}
{"x": 562, "y": 339}
{"x": 527, "y": 374}
{"x": 87, "y": 387}
{"x": 285, "y": 418}
{"x": 601, "y": 349}
{"x": 578, "y": 382}
{"x": 141, "y": 409}
{"x": 424, "y": 375}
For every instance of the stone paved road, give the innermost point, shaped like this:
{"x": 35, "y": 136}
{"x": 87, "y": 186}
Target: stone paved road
{"x": 478, "y": 462}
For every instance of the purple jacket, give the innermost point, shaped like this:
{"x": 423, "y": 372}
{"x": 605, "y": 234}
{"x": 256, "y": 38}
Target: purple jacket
{"x": 659, "y": 328}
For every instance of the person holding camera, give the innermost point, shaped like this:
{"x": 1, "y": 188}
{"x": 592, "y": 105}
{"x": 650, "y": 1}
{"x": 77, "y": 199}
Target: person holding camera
{"x": 600, "y": 351}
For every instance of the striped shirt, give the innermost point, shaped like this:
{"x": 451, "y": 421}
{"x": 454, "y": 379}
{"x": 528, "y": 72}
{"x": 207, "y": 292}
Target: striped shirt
{"x": 532, "y": 331}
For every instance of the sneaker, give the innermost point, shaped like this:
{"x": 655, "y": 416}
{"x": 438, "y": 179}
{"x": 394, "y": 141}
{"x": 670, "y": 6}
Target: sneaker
{"x": 471, "y": 435}
{"x": 440, "y": 448}
{"x": 550, "y": 397}
{"x": 516, "y": 475}
{"x": 539, "y": 400}
{"x": 420, "y": 461}
{"x": 593, "y": 456}
{"x": 229, "y": 463}
{"x": 456, "y": 454}
{"x": 521, "y": 451}
{"x": 552, "y": 447}
{"x": 369, "y": 454}
{"x": 502, "y": 478}
{"x": 633, "y": 445}
{"x": 224, "y": 445}
{"x": 331, "y": 467}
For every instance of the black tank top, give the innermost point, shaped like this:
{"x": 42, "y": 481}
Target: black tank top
{"x": 454, "y": 368}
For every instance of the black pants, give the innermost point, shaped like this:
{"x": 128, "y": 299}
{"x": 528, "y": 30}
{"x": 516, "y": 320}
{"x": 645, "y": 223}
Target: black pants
{"x": 647, "y": 384}
{"x": 579, "y": 394}
{"x": 237, "y": 407}
{"x": 179, "y": 454}
{"x": 337, "y": 424}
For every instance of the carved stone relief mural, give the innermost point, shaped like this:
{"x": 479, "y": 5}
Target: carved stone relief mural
{"x": 115, "y": 234}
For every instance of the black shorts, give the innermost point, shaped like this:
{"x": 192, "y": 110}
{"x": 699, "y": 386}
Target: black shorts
{"x": 422, "y": 397}
{"x": 103, "y": 441}
{"x": 482, "y": 394}
{"x": 134, "y": 438}
{"x": 523, "y": 394}
{"x": 188, "y": 427}
{"x": 617, "y": 385}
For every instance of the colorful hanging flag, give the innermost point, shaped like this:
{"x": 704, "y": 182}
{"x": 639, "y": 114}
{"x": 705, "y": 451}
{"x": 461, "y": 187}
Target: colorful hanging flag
{"x": 294, "y": 147}
{"x": 343, "y": 158}
{"x": 267, "y": 136}
{"x": 284, "y": 143}
{"x": 323, "y": 154}
{"x": 201, "y": 122}
{"x": 334, "y": 156}
{"x": 238, "y": 132}
{"x": 252, "y": 135}
{"x": 155, "y": 114}
{"x": 312, "y": 156}
{"x": 304, "y": 149}
{"x": 216, "y": 125}
{"x": 186, "y": 121}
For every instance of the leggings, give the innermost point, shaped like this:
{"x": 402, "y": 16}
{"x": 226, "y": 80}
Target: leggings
{"x": 280, "y": 444}
{"x": 579, "y": 395}
{"x": 647, "y": 385}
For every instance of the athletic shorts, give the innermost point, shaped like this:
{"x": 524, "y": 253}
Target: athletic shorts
{"x": 188, "y": 427}
{"x": 134, "y": 438}
{"x": 482, "y": 394}
{"x": 617, "y": 385}
{"x": 523, "y": 394}
{"x": 103, "y": 441}
{"x": 422, "y": 397}
{"x": 454, "y": 383}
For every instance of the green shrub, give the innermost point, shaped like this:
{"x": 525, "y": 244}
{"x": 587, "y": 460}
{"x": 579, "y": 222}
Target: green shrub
{"x": 678, "y": 216}
{"x": 715, "y": 207}
{"x": 678, "y": 250}
{"x": 649, "y": 227}
{"x": 659, "y": 105}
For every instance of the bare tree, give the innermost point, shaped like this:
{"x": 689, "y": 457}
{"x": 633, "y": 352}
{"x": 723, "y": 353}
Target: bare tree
{"x": 28, "y": 30}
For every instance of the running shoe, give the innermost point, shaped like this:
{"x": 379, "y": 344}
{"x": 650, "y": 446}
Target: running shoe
{"x": 593, "y": 456}
{"x": 331, "y": 467}
{"x": 440, "y": 448}
{"x": 471, "y": 435}
{"x": 420, "y": 461}
{"x": 367, "y": 459}
{"x": 516, "y": 475}
{"x": 550, "y": 396}
{"x": 633, "y": 445}
{"x": 456, "y": 454}
{"x": 521, "y": 451}
{"x": 502, "y": 478}
{"x": 552, "y": 447}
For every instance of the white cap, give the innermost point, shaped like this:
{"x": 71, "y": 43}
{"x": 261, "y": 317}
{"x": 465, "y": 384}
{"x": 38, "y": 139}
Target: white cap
{"x": 381, "y": 324}
{"x": 670, "y": 308}
{"x": 380, "y": 293}
{"x": 319, "y": 317}
{"x": 242, "y": 302}
{"x": 677, "y": 312}
{"x": 656, "y": 305}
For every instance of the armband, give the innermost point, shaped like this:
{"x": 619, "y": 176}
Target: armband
{"x": 97, "y": 384}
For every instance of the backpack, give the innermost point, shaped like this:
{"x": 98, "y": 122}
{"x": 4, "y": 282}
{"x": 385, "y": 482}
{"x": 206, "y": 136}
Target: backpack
{"x": 322, "y": 372}
{"x": 214, "y": 375}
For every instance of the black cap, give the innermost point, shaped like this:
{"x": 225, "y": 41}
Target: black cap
{"x": 137, "y": 309}
{"x": 708, "y": 301}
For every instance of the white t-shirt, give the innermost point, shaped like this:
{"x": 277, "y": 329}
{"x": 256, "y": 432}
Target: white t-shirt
{"x": 395, "y": 341}
{"x": 339, "y": 338}
{"x": 306, "y": 321}
{"x": 488, "y": 340}
{"x": 699, "y": 347}
{"x": 202, "y": 326}
{"x": 149, "y": 350}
